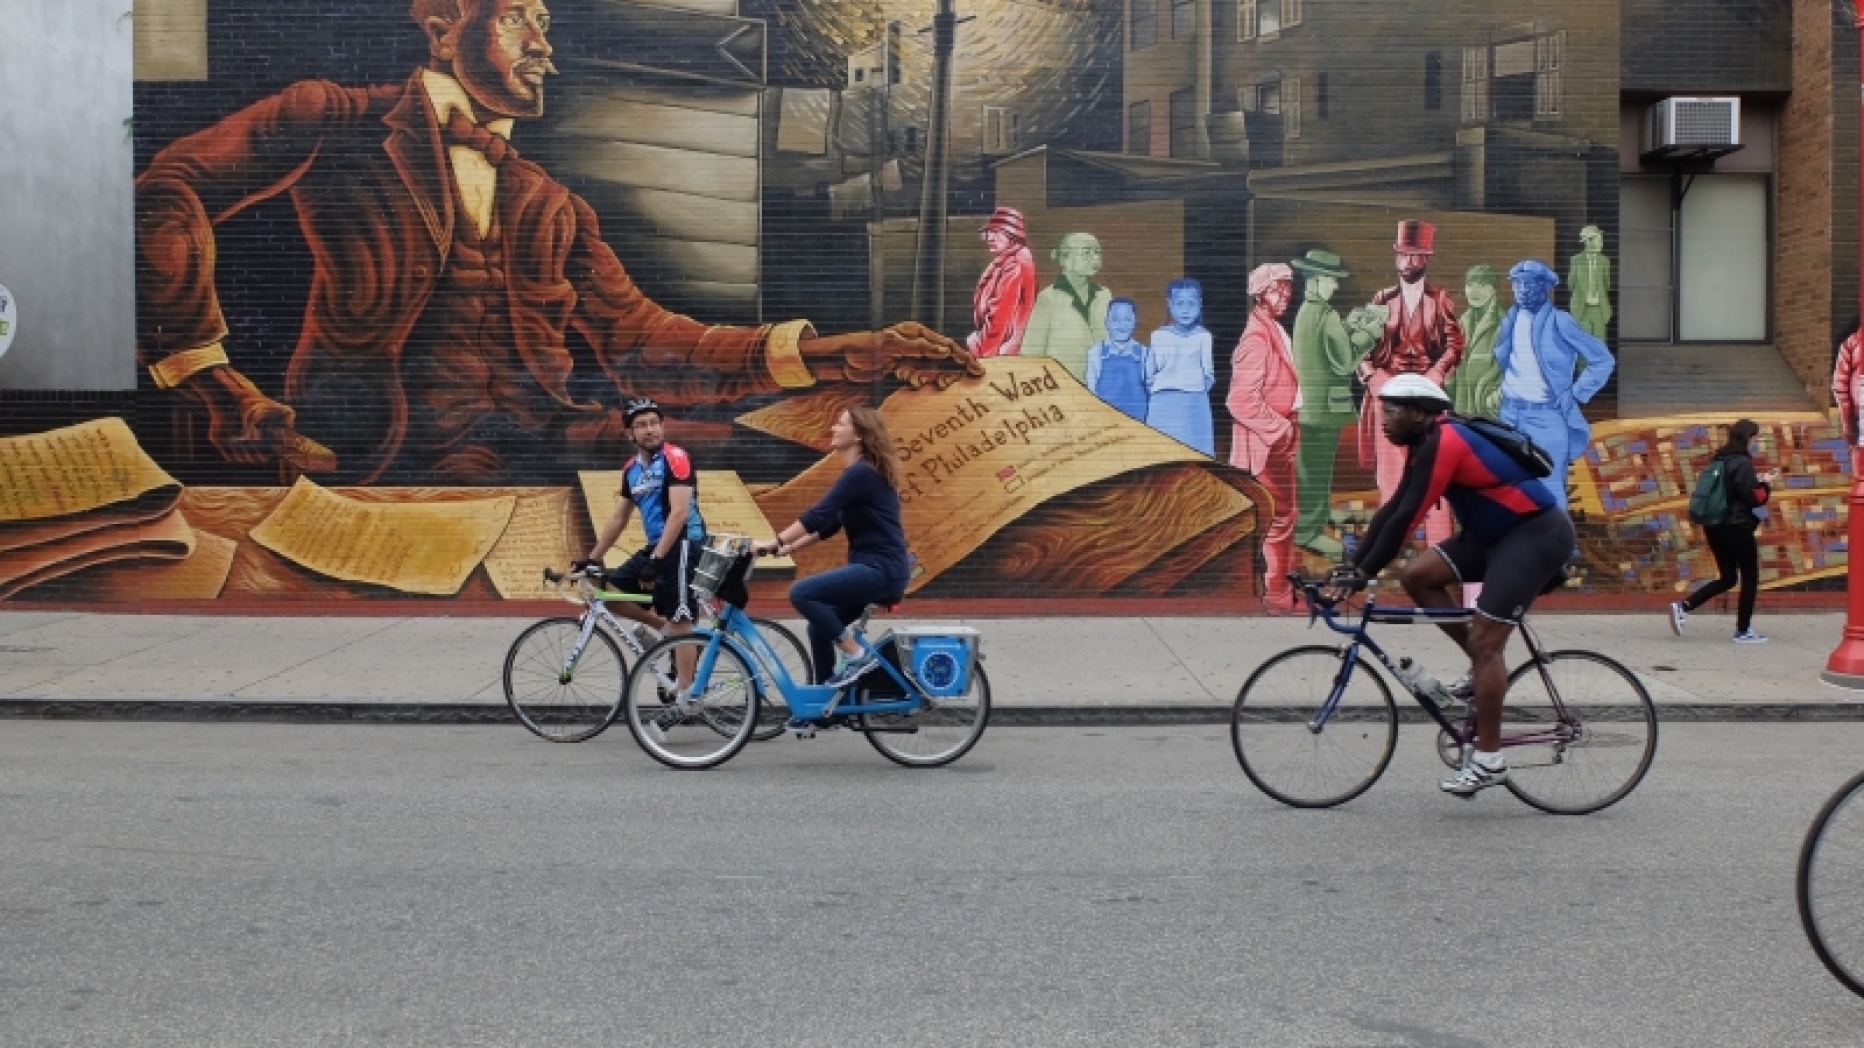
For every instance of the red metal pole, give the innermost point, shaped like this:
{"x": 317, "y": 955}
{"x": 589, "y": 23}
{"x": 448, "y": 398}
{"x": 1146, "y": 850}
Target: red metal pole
{"x": 1845, "y": 668}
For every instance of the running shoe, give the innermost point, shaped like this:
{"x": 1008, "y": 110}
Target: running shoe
{"x": 854, "y": 669}
{"x": 1462, "y": 691}
{"x": 1474, "y": 778}
{"x": 1749, "y": 637}
{"x": 1678, "y": 616}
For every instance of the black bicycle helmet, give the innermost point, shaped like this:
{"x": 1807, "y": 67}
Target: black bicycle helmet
{"x": 638, "y": 406}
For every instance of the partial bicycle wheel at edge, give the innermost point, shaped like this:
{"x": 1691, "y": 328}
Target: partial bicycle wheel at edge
{"x": 1299, "y": 765}
{"x": 772, "y": 712}
{"x": 558, "y": 702}
{"x": 1831, "y": 870}
{"x": 1596, "y": 758}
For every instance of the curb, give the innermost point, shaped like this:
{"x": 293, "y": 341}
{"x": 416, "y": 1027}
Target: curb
{"x": 199, "y": 711}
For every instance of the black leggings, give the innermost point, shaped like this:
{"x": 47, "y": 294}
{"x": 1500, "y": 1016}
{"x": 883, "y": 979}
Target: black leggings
{"x": 1735, "y": 552}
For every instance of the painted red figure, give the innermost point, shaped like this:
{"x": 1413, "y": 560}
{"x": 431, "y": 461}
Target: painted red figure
{"x": 1422, "y": 337}
{"x": 1006, "y": 293}
{"x": 1848, "y": 390}
{"x": 1265, "y": 402}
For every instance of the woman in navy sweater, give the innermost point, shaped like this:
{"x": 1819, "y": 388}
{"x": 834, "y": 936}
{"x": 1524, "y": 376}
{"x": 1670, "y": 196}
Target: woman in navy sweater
{"x": 865, "y": 502}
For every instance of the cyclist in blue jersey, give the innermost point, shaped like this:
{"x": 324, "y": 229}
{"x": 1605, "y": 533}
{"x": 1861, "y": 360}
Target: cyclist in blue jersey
{"x": 1515, "y": 540}
{"x": 659, "y": 481}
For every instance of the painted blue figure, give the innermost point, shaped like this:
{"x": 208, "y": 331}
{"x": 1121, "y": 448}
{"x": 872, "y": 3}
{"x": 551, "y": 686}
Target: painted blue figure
{"x": 1180, "y": 375}
{"x": 1117, "y": 365}
{"x": 1550, "y": 366}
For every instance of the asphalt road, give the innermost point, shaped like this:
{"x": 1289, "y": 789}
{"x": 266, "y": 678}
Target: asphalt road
{"x": 256, "y": 885}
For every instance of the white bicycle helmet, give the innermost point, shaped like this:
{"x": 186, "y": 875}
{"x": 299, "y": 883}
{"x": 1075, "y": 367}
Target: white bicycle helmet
{"x": 1415, "y": 391}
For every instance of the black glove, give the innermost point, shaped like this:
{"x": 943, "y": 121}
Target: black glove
{"x": 586, "y": 565}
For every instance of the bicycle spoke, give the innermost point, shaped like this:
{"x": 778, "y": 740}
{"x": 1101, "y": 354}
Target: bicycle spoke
{"x": 1587, "y": 751}
{"x": 1284, "y": 757}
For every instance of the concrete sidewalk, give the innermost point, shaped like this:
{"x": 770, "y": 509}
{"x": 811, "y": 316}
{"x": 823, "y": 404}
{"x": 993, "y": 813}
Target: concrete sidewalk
{"x": 65, "y": 664}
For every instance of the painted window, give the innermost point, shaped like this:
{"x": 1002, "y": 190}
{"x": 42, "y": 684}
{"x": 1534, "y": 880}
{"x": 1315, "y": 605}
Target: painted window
{"x": 1291, "y": 13}
{"x": 1518, "y": 77}
{"x": 1433, "y": 80}
{"x": 1184, "y": 123}
{"x": 1246, "y": 19}
{"x": 1323, "y": 99}
{"x": 1183, "y": 19}
{"x": 1291, "y": 107}
{"x": 1139, "y": 129}
{"x": 1143, "y": 29}
{"x": 1000, "y": 130}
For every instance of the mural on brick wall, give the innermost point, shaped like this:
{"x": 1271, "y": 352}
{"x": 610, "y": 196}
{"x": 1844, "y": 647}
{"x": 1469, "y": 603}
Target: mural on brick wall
{"x": 400, "y": 264}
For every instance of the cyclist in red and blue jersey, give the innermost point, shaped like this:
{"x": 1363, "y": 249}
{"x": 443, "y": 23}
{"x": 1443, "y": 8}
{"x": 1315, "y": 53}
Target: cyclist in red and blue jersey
{"x": 1515, "y": 540}
{"x": 659, "y": 481}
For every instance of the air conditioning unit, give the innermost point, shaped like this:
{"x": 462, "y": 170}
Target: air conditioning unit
{"x": 1693, "y": 126}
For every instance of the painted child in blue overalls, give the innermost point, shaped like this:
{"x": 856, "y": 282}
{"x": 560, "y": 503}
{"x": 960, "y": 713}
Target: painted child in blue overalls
{"x": 1117, "y": 364}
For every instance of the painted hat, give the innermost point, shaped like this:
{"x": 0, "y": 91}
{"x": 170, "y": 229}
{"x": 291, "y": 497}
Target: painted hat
{"x": 1266, "y": 274}
{"x": 1415, "y": 238}
{"x": 1319, "y": 263}
{"x": 1532, "y": 270}
{"x": 1007, "y": 219}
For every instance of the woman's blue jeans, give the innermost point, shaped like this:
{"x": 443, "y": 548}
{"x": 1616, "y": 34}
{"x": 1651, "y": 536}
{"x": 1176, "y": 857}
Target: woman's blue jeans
{"x": 832, "y": 600}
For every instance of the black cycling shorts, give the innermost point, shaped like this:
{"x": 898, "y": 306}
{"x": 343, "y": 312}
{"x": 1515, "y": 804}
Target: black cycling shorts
{"x": 1517, "y": 567}
{"x": 672, "y": 590}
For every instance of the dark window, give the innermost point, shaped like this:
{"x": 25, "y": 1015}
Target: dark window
{"x": 1139, "y": 128}
{"x": 1184, "y": 123}
{"x": 1183, "y": 18}
{"x": 1323, "y": 96}
{"x": 1145, "y": 26}
{"x": 1433, "y": 80}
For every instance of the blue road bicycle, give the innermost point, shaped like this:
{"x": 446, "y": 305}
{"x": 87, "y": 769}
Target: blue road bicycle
{"x": 1315, "y": 726}
{"x": 925, "y": 706}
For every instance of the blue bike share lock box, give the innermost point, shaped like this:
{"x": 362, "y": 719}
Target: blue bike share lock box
{"x": 938, "y": 658}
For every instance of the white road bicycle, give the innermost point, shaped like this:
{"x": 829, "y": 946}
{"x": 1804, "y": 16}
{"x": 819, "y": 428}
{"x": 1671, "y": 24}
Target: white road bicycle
{"x": 565, "y": 676}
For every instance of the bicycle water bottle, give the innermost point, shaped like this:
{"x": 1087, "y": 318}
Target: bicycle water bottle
{"x": 1414, "y": 676}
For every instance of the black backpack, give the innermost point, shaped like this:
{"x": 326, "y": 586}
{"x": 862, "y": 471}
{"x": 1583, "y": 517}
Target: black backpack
{"x": 1515, "y": 444}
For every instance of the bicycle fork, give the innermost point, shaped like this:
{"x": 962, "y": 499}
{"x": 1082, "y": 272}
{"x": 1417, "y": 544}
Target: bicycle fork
{"x": 568, "y": 672}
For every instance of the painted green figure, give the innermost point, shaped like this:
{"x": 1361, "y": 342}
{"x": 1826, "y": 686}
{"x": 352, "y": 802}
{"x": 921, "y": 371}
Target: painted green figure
{"x": 1325, "y": 356}
{"x": 1476, "y": 388}
{"x": 1589, "y": 284}
{"x": 1070, "y": 314}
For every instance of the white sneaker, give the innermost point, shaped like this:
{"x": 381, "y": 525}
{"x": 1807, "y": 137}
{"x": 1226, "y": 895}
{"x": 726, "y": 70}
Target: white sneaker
{"x": 1462, "y": 691}
{"x": 1678, "y": 616}
{"x": 1474, "y": 778}
{"x": 1749, "y": 637}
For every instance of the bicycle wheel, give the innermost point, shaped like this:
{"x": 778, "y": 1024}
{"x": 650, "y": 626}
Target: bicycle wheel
{"x": 1593, "y": 758}
{"x": 1831, "y": 867}
{"x": 702, "y": 731}
{"x": 1290, "y": 761}
{"x": 772, "y": 712}
{"x": 557, "y": 702}
{"x": 937, "y": 733}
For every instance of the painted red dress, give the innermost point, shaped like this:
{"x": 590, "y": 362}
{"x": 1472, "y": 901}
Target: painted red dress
{"x": 1006, "y": 296}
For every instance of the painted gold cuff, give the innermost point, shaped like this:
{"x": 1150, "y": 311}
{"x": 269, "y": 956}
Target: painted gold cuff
{"x": 174, "y": 369}
{"x": 783, "y": 354}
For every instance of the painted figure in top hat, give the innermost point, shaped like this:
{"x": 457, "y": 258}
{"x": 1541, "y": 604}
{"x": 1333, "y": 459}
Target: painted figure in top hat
{"x": 1070, "y": 314}
{"x": 1325, "y": 355}
{"x": 456, "y": 288}
{"x": 1422, "y": 337}
{"x": 1265, "y": 401}
{"x": 1006, "y": 293}
{"x": 1550, "y": 366}
{"x": 1589, "y": 284}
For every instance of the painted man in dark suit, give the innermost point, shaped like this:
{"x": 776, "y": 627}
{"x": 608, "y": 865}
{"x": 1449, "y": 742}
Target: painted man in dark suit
{"x": 456, "y": 286}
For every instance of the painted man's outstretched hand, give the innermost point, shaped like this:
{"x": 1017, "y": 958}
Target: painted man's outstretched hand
{"x": 911, "y": 353}
{"x": 245, "y": 425}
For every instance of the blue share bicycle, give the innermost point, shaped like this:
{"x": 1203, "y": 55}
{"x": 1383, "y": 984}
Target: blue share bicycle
{"x": 1315, "y": 726}
{"x": 925, "y": 706}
